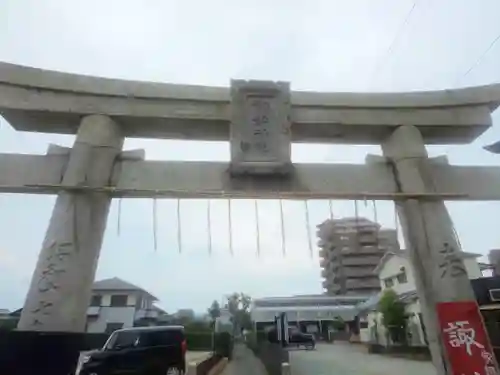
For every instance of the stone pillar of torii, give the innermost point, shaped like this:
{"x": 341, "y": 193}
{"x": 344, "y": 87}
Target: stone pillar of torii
{"x": 261, "y": 120}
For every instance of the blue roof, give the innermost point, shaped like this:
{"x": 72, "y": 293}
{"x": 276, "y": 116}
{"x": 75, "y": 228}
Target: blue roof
{"x": 372, "y": 302}
{"x": 369, "y": 304}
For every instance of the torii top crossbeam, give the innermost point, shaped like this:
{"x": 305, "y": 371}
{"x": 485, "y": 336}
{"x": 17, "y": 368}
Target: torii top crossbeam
{"x": 53, "y": 102}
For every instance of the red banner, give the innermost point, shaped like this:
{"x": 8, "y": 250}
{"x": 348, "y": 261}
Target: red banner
{"x": 465, "y": 339}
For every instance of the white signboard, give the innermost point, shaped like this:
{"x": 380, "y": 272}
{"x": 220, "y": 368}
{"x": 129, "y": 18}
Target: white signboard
{"x": 260, "y": 127}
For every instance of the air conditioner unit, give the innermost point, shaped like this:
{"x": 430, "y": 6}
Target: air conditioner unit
{"x": 494, "y": 294}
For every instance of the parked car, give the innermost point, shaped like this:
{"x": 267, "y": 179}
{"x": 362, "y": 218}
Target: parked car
{"x": 298, "y": 338}
{"x": 295, "y": 338}
{"x": 147, "y": 350}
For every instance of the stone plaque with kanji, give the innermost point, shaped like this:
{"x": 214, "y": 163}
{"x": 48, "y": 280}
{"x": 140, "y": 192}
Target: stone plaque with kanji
{"x": 260, "y": 127}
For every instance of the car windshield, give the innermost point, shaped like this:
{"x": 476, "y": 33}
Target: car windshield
{"x": 127, "y": 339}
{"x": 122, "y": 339}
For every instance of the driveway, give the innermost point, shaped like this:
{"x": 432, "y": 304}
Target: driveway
{"x": 347, "y": 359}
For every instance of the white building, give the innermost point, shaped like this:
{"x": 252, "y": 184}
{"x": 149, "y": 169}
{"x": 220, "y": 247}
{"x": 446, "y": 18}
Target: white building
{"x": 396, "y": 272}
{"x": 223, "y": 322}
{"x": 313, "y": 313}
{"x": 118, "y": 304}
{"x": 4, "y": 314}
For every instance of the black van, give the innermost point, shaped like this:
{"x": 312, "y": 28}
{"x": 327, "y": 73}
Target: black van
{"x": 136, "y": 351}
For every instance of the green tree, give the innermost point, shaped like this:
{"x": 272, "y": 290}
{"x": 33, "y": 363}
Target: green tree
{"x": 245, "y": 301}
{"x": 214, "y": 310}
{"x": 238, "y": 305}
{"x": 394, "y": 315}
{"x": 233, "y": 303}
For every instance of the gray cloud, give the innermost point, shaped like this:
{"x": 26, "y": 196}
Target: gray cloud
{"x": 317, "y": 45}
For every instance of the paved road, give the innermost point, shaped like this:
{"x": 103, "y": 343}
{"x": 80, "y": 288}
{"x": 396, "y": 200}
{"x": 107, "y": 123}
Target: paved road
{"x": 346, "y": 359}
{"x": 244, "y": 362}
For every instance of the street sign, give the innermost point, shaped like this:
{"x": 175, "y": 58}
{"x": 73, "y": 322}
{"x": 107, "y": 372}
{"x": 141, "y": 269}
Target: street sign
{"x": 465, "y": 339}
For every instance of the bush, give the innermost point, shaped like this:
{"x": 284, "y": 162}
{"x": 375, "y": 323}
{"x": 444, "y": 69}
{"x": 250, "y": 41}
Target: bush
{"x": 394, "y": 316}
{"x": 338, "y": 324}
{"x": 199, "y": 341}
{"x": 198, "y": 327}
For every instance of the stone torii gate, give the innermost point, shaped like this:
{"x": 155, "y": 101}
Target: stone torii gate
{"x": 260, "y": 119}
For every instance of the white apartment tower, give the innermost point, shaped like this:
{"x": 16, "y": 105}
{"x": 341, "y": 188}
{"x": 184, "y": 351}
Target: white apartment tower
{"x": 350, "y": 249}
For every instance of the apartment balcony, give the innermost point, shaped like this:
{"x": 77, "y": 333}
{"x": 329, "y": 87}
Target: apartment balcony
{"x": 334, "y": 289}
{"x": 373, "y": 252}
{"x": 334, "y": 265}
{"x": 367, "y": 238}
{"x": 93, "y": 310}
{"x": 146, "y": 314}
{"x": 323, "y": 253}
{"x": 360, "y": 261}
{"x": 368, "y": 228}
{"x": 322, "y": 243}
{"x": 358, "y": 272}
{"x": 331, "y": 287}
{"x": 366, "y": 283}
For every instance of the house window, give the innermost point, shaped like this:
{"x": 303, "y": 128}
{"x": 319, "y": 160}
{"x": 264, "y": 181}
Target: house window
{"x": 111, "y": 327}
{"x": 119, "y": 300}
{"x": 402, "y": 278}
{"x": 389, "y": 282}
{"x": 96, "y": 301}
{"x": 363, "y": 325}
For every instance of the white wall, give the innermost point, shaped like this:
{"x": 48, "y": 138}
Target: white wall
{"x": 108, "y": 314}
{"x": 106, "y": 298}
{"x": 472, "y": 267}
{"x": 414, "y": 325}
{"x": 392, "y": 268}
{"x": 374, "y": 320}
{"x": 364, "y": 333}
{"x": 223, "y": 322}
{"x": 313, "y": 313}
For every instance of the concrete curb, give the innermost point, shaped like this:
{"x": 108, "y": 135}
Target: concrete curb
{"x": 219, "y": 367}
{"x": 192, "y": 367}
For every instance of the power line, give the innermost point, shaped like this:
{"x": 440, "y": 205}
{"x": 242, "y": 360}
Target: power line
{"x": 389, "y": 51}
{"x": 479, "y": 59}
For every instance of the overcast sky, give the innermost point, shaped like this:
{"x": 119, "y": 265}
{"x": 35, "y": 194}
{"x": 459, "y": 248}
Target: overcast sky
{"x": 330, "y": 45}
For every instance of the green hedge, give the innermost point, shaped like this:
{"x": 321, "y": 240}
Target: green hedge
{"x": 199, "y": 341}
{"x": 224, "y": 344}
{"x": 202, "y": 341}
